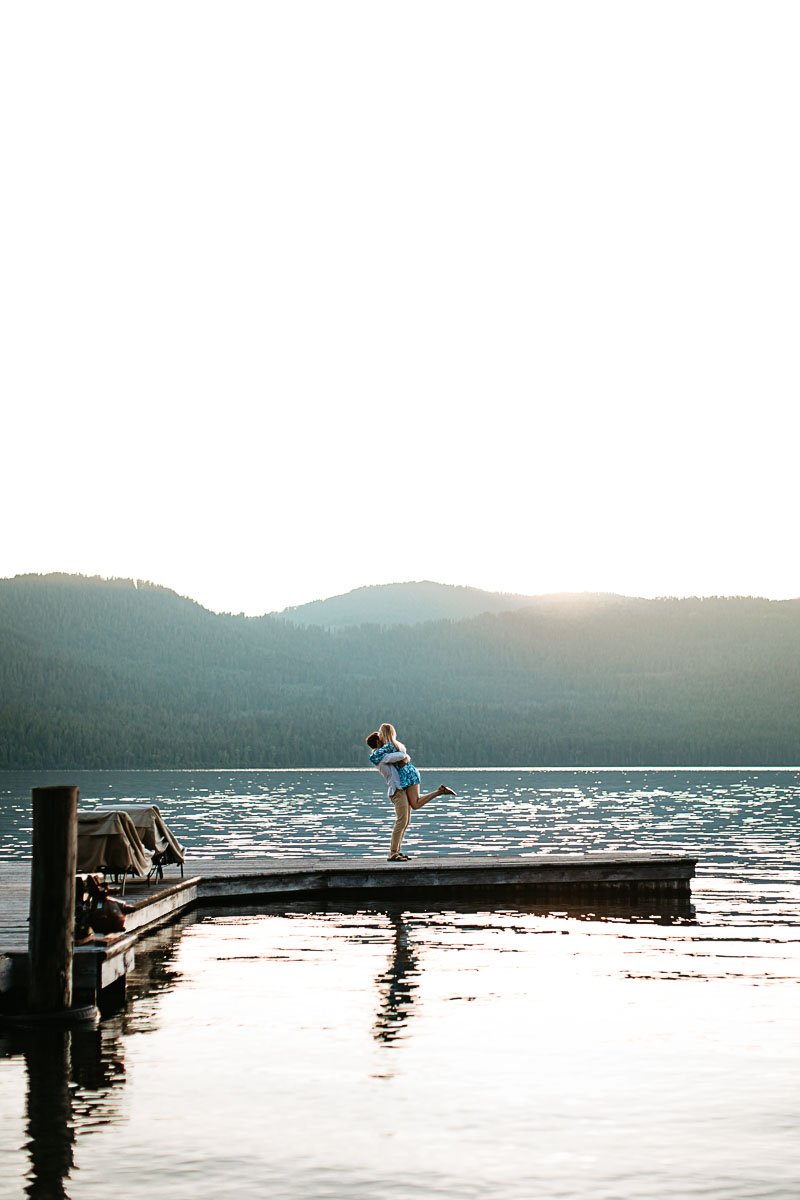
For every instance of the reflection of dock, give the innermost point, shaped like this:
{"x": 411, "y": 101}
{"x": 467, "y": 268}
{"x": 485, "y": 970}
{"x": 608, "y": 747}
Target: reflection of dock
{"x": 76, "y": 1076}
{"x": 568, "y": 880}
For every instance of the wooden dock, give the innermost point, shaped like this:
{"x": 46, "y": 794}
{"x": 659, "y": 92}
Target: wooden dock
{"x": 545, "y": 875}
{"x": 566, "y": 879}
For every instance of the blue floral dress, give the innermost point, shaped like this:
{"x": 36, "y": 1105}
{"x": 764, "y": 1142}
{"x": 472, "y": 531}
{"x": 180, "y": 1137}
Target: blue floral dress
{"x": 407, "y": 772}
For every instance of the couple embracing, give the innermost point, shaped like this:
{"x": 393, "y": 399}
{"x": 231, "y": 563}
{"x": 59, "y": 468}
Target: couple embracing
{"x": 389, "y": 755}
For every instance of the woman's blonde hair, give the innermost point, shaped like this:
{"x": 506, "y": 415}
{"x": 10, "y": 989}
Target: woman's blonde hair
{"x": 389, "y": 734}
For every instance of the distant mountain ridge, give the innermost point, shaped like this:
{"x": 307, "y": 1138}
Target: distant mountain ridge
{"x": 111, "y": 674}
{"x": 413, "y": 603}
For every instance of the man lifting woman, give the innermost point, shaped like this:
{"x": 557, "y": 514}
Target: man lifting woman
{"x": 389, "y": 755}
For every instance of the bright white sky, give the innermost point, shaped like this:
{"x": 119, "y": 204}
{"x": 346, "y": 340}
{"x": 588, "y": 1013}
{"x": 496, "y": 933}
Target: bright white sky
{"x": 298, "y": 297}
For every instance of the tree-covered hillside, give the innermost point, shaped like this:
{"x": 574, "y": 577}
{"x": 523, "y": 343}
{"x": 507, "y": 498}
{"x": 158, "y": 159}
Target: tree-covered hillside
{"x": 98, "y": 673}
{"x": 415, "y": 603}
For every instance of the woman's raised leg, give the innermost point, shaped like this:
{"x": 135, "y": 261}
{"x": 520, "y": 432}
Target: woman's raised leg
{"x": 416, "y": 801}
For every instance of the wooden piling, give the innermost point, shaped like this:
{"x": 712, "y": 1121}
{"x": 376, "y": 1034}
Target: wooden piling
{"x": 52, "y": 910}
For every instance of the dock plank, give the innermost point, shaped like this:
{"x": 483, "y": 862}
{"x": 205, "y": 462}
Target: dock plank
{"x": 15, "y": 897}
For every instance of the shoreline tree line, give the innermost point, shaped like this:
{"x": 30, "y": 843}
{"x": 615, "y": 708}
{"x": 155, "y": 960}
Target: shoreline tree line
{"x": 110, "y": 674}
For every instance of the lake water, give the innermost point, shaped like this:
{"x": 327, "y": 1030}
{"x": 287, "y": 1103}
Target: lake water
{"x": 385, "y": 1051}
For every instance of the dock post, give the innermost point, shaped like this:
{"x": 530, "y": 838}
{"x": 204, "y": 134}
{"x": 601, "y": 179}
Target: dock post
{"x": 52, "y": 912}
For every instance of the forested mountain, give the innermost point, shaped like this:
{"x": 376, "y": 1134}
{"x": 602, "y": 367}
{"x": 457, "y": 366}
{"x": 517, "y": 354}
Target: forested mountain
{"x": 97, "y": 673}
{"x": 414, "y": 603}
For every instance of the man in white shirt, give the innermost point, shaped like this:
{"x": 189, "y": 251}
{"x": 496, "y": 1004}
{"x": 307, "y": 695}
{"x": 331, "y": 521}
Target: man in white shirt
{"x": 388, "y": 769}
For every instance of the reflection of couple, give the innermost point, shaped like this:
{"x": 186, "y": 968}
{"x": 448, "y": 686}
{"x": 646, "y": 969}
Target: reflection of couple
{"x": 389, "y": 755}
{"x": 397, "y": 984}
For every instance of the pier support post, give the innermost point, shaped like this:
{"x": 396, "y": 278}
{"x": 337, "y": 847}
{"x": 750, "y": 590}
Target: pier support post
{"x": 52, "y": 912}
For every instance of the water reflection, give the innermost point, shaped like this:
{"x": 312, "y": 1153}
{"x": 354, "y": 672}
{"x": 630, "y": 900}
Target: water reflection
{"x": 155, "y": 972}
{"x": 495, "y": 1021}
{"x": 398, "y": 984}
{"x": 665, "y": 910}
{"x": 98, "y": 1072}
{"x": 75, "y": 1077}
{"x": 49, "y": 1125}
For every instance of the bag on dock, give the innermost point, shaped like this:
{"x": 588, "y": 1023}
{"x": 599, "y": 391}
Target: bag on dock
{"x": 107, "y": 916}
{"x": 98, "y": 911}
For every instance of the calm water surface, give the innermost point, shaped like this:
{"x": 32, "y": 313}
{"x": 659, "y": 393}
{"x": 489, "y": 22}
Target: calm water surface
{"x": 387, "y": 1051}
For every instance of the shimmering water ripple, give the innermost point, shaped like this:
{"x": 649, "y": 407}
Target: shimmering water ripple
{"x": 399, "y": 1054}
{"x": 744, "y": 826}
